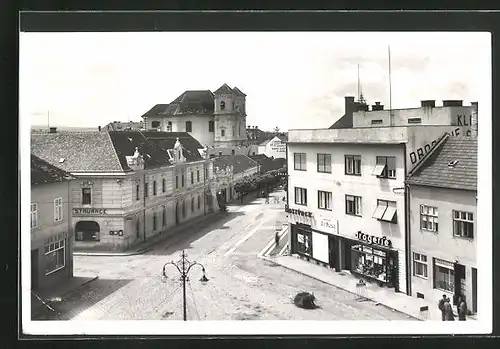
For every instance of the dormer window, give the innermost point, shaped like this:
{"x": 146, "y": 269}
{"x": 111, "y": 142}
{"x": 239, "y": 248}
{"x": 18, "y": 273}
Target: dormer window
{"x": 222, "y": 105}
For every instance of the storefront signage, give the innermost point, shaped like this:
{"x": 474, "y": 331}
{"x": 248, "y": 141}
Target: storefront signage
{"x": 278, "y": 146}
{"x": 57, "y": 237}
{"x": 328, "y": 225}
{"x": 298, "y": 212}
{"x": 89, "y": 211}
{"x": 374, "y": 240}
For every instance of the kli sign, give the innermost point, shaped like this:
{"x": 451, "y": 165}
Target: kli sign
{"x": 374, "y": 240}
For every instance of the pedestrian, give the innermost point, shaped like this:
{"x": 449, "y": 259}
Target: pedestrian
{"x": 277, "y": 239}
{"x": 461, "y": 308}
{"x": 441, "y": 306}
{"x": 448, "y": 311}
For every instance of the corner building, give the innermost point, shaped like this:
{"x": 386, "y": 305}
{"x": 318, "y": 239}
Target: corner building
{"x": 347, "y": 203}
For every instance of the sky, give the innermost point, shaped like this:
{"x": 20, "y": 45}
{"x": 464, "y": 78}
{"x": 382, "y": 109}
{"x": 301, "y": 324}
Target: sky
{"x": 292, "y": 80}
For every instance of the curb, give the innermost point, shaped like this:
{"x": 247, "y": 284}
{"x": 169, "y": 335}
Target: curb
{"x": 270, "y": 244}
{"x": 340, "y": 287}
{"x": 147, "y": 248}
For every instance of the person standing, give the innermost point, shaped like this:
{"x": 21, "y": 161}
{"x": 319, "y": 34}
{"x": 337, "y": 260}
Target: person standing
{"x": 277, "y": 239}
{"x": 448, "y": 311}
{"x": 461, "y": 309}
{"x": 441, "y": 306}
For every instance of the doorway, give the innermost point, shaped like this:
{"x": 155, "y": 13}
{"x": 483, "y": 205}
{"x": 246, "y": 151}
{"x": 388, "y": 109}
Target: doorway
{"x": 34, "y": 269}
{"x": 460, "y": 286}
{"x": 333, "y": 249}
{"x": 346, "y": 255}
{"x": 474, "y": 290}
{"x": 176, "y": 213}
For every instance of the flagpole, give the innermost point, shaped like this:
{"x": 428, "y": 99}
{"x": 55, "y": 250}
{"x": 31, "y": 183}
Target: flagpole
{"x": 390, "y": 86}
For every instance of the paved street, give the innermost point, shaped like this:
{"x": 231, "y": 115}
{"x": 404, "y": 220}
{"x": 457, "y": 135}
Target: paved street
{"x": 241, "y": 286}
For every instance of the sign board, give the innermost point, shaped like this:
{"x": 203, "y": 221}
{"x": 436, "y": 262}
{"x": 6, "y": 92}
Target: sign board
{"x": 89, "y": 211}
{"x": 328, "y": 225}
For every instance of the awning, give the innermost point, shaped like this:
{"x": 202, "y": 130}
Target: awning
{"x": 379, "y": 211}
{"x": 379, "y": 168}
{"x": 389, "y": 214}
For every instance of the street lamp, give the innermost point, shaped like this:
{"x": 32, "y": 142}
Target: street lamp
{"x": 183, "y": 267}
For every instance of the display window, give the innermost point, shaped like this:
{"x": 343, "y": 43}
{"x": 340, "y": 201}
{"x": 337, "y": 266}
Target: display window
{"x": 371, "y": 262}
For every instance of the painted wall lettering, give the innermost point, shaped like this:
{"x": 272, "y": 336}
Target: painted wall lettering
{"x": 417, "y": 155}
{"x": 464, "y": 120}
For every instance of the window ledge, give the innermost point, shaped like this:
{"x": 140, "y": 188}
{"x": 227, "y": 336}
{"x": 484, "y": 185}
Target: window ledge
{"x": 325, "y": 209}
{"x": 435, "y": 232}
{"x": 421, "y": 277}
{"x": 305, "y": 205}
{"x": 463, "y": 238}
{"x": 354, "y": 174}
{"x": 354, "y": 215}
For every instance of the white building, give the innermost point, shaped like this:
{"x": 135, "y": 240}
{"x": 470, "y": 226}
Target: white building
{"x": 346, "y": 191}
{"x": 274, "y": 147}
{"x": 443, "y": 222}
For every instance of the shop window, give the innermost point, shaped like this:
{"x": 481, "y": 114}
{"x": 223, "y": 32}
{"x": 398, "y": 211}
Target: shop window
{"x": 444, "y": 275}
{"x": 146, "y": 189}
{"x": 192, "y": 204}
{"x": 192, "y": 177}
{"x": 154, "y": 221}
{"x": 154, "y": 187}
{"x": 86, "y": 196}
{"x": 211, "y": 126}
{"x": 325, "y": 163}
{"x": 155, "y": 124}
{"x": 371, "y": 262}
{"x": 420, "y": 265}
{"x": 300, "y": 196}
{"x": 324, "y": 200}
{"x": 299, "y": 161}
{"x": 189, "y": 126}
{"x": 198, "y": 176}
{"x": 428, "y": 218}
{"x": 176, "y": 182}
{"x": 163, "y": 185}
{"x": 34, "y": 215}
{"x": 58, "y": 210}
{"x": 353, "y": 205}
{"x": 137, "y": 190}
{"x": 385, "y": 167}
{"x": 164, "y": 216}
{"x": 87, "y": 231}
{"x": 353, "y": 165}
{"x": 55, "y": 257}
{"x": 304, "y": 243}
{"x": 386, "y": 211}
{"x": 463, "y": 224}
{"x": 222, "y": 132}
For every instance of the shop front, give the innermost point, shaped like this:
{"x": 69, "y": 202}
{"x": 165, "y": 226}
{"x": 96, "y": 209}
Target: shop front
{"x": 373, "y": 258}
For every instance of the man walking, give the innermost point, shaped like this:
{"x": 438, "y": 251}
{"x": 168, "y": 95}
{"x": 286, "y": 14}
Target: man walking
{"x": 277, "y": 238}
{"x": 441, "y": 306}
{"x": 448, "y": 311}
{"x": 461, "y": 309}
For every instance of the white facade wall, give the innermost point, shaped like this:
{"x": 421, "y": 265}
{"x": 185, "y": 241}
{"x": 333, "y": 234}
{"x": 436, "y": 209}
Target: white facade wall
{"x": 273, "y": 148}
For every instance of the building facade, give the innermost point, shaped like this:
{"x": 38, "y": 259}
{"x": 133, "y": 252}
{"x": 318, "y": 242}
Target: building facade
{"x": 347, "y": 200}
{"x": 274, "y": 147}
{"x": 50, "y": 221}
{"x": 443, "y": 222}
{"x": 125, "y": 190}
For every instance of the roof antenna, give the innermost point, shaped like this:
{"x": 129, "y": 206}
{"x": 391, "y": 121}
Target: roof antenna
{"x": 360, "y": 91}
{"x": 391, "y": 117}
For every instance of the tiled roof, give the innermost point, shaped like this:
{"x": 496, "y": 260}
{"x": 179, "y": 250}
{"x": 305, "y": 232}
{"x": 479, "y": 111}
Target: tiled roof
{"x": 77, "y": 152}
{"x": 121, "y": 126}
{"x": 268, "y": 164}
{"x": 199, "y": 102}
{"x": 166, "y": 140}
{"x": 238, "y": 92}
{"x": 43, "y": 173}
{"x": 240, "y": 162}
{"x": 224, "y": 89}
{"x": 125, "y": 143}
{"x": 344, "y": 122}
{"x": 435, "y": 171}
{"x": 157, "y": 110}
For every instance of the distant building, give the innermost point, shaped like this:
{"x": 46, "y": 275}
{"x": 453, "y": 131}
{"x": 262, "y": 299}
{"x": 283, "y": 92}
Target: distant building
{"x": 50, "y": 220}
{"x": 216, "y": 119}
{"x": 443, "y": 222}
{"x": 230, "y": 169}
{"x": 123, "y": 126}
{"x": 130, "y": 185}
{"x": 274, "y": 147}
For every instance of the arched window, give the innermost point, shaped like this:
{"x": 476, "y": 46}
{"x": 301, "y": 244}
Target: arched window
{"x": 222, "y": 105}
{"x": 222, "y": 132}
{"x": 189, "y": 126}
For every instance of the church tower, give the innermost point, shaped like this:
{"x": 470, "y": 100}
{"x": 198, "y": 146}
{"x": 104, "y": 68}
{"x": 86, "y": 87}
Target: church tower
{"x": 230, "y": 117}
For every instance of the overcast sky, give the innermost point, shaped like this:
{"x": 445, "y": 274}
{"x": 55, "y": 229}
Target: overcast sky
{"x": 292, "y": 80}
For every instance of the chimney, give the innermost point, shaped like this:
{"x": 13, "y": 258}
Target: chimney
{"x": 364, "y": 107}
{"x": 452, "y": 103}
{"x": 429, "y": 103}
{"x": 349, "y": 105}
{"x": 52, "y": 129}
{"x": 377, "y": 106}
{"x": 99, "y": 128}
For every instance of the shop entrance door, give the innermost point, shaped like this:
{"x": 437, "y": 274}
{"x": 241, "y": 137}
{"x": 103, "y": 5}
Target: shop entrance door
{"x": 34, "y": 269}
{"x": 474, "y": 290}
{"x": 459, "y": 282}
{"x": 346, "y": 255}
{"x": 333, "y": 250}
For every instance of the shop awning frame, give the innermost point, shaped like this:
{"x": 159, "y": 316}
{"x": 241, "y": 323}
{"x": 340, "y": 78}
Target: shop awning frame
{"x": 378, "y": 169}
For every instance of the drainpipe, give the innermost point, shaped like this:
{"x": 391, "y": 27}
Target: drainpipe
{"x": 407, "y": 228}
{"x": 70, "y": 234}
{"x": 144, "y": 211}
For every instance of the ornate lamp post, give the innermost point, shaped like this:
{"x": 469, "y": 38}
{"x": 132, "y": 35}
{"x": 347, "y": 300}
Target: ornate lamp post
{"x": 183, "y": 267}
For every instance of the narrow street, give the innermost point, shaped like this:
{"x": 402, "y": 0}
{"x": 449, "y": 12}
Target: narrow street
{"x": 241, "y": 286}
